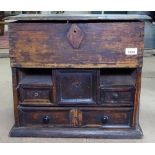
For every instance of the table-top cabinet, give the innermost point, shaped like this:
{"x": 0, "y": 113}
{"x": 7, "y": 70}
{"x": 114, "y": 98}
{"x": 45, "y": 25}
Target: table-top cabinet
{"x": 77, "y": 76}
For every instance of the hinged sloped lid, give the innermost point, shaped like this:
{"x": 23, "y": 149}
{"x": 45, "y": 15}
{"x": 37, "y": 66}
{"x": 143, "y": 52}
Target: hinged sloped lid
{"x": 72, "y": 17}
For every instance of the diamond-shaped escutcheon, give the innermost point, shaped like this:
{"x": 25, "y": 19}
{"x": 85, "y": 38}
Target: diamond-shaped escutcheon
{"x": 75, "y": 36}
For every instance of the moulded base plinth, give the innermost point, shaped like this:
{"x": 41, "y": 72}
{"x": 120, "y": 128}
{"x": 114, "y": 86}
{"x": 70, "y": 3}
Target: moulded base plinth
{"x": 127, "y": 133}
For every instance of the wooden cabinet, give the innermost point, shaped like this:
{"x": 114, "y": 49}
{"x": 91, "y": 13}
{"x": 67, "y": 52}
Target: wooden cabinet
{"x": 77, "y": 76}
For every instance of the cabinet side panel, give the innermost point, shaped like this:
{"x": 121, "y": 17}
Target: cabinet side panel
{"x": 15, "y": 95}
{"x": 137, "y": 99}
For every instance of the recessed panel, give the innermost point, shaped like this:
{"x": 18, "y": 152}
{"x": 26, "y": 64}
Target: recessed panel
{"x": 76, "y": 86}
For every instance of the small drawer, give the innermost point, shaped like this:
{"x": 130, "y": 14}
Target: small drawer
{"x": 43, "y": 116}
{"x": 107, "y": 117}
{"x": 117, "y": 96}
{"x": 35, "y": 90}
{"x": 32, "y": 95}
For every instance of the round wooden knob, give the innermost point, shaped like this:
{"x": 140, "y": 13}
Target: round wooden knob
{"x": 115, "y": 95}
{"x": 104, "y": 119}
{"x": 46, "y": 119}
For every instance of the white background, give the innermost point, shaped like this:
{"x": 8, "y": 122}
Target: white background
{"x": 77, "y": 5}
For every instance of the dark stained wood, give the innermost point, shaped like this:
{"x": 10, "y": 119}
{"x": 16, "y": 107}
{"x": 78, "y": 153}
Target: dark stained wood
{"x": 37, "y": 80}
{"x": 35, "y": 116}
{"x": 15, "y": 95}
{"x": 35, "y": 89}
{"x": 107, "y": 41}
{"x": 77, "y": 17}
{"x": 137, "y": 98}
{"x": 122, "y": 77}
{"x": 75, "y": 86}
{"x": 1, "y": 29}
{"x": 114, "y": 133}
{"x": 1, "y": 23}
{"x": 72, "y": 77}
{"x": 29, "y": 95}
{"x": 116, "y": 80}
{"x": 117, "y": 87}
{"x": 107, "y": 117}
{"x": 117, "y": 96}
{"x": 76, "y": 117}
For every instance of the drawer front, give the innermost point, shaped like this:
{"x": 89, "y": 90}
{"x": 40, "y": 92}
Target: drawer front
{"x": 32, "y": 95}
{"x": 107, "y": 117}
{"x": 74, "y": 86}
{"x": 44, "y": 117}
{"x": 84, "y": 45}
{"x": 76, "y": 117}
{"x": 112, "y": 96}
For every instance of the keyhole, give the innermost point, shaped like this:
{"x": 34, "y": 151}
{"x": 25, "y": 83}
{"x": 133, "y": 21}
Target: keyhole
{"x": 76, "y": 84}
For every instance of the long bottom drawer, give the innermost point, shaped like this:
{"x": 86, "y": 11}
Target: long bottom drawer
{"x": 76, "y": 117}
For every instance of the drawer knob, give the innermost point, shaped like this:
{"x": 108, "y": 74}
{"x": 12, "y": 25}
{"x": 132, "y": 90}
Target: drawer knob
{"x": 104, "y": 119}
{"x": 46, "y": 119}
{"x": 36, "y": 94}
{"x": 115, "y": 95}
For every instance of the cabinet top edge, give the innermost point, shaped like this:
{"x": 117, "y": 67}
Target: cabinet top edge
{"x": 85, "y": 17}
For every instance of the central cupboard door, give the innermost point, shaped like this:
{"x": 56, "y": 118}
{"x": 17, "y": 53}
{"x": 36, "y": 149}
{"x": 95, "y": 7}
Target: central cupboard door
{"x": 76, "y": 86}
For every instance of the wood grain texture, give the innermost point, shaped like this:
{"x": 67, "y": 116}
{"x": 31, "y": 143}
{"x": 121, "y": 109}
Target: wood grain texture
{"x": 33, "y": 116}
{"x": 76, "y": 116}
{"x": 76, "y": 86}
{"x": 118, "y": 96}
{"x": 77, "y": 133}
{"x": 35, "y": 89}
{"x": 137, "y": 98}
{"x": 15, "y": 81}
{"x": 72, "y": 78}
{"x": 46, "y": 45}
